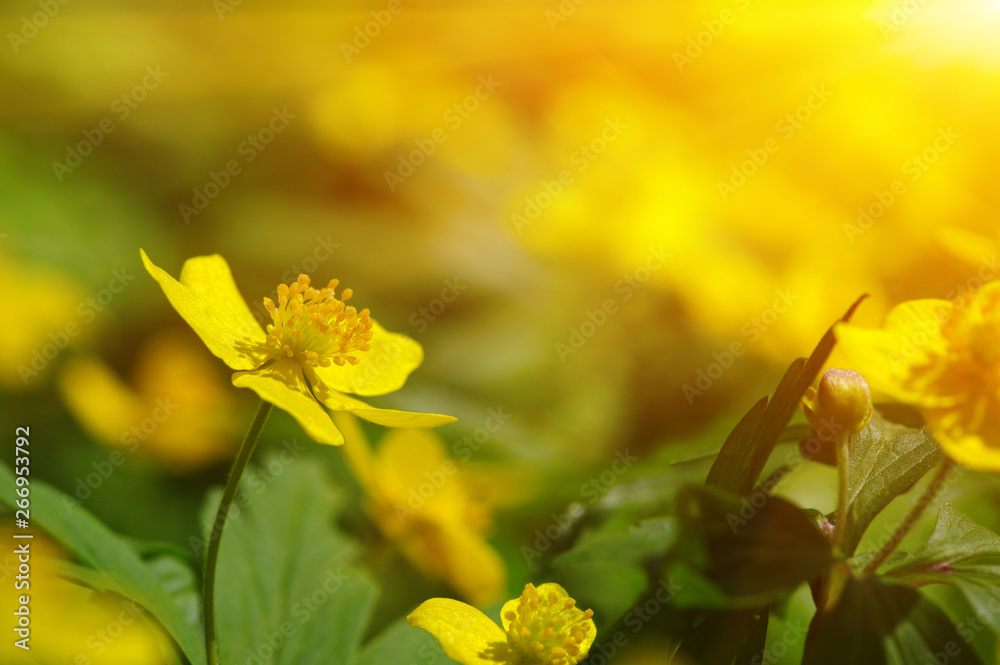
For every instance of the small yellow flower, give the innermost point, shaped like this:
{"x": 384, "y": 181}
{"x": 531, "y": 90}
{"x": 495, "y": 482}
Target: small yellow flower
{"x": 417, "y": 499}
{"x": 542, "y": 627}
{"x": 315, "y": 350}
{"x": 944, "y": 358}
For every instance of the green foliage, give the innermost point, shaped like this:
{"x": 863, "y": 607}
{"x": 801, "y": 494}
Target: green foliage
{"x": 752, "y": 554}
{"x": 879, "y": 623}
{"x": 285, "y": 584}
{"x": 111, "y": 563}
{"x": 885, "y": 460}
{"x": 745, "y": 452}
{"x": 646, "y": 540}
{"x": 961, "y": 553}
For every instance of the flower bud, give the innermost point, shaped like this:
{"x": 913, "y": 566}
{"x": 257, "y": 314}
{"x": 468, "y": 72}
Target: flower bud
{"x": 843, "y": 398}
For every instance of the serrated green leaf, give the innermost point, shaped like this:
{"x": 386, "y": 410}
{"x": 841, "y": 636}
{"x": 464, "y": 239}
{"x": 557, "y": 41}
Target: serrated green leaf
{"x": 641, "y": 542}
{"x": 286, "y": 593}
{"x": 877, "y": 623}
{"x": 753, "y": 553}
{"x": 747, "y": 449}
{"x": 885, "y": 460}
{"x": 108, "y": 559}
{"x": 963, "y": 554}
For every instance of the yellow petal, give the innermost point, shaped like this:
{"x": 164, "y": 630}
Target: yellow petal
{"x": 414, "y": 457}
{"x": 463, "y": 631}
{"x": 475, "y": 569}
{"x": 337, "y": 401}
{"x": 357, "y": 452}
{"x": 887, "y": 357}
{"x": 380, "y": 370}
{"x": 283, "y": 385}
{"x": 101, "y": 401}
{"x": 207, "y": 302}
{"x": 970, "y": 435}
{"x": 209, "y": 278}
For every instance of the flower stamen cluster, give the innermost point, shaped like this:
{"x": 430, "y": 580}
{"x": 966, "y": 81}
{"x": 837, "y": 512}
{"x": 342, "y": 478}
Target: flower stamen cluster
{"x": 545, "y": 629}
{"x": 316, "y": 328}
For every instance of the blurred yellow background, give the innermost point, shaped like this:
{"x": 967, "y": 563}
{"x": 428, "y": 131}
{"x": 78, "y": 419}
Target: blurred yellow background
{"x": 616, "y": 222}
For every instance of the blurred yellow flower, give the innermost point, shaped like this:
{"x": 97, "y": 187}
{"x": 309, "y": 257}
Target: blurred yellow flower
{"x": 946, "y": 359}
{"x": 46, "y": 324}
{"x": 417, "y": 498}
{"x": 69, "y": 623}
{"x": 316, "y": 349}
{"x": 542, "y": 627}
{"x": 177, "y": 409}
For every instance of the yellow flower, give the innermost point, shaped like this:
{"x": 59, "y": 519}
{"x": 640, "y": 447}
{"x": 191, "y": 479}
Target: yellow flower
{"x": 542, "y": 627}
{"x": 843, "y": 398}
{"x": 946, "y": 359}
{"x": 177, "y": 409}
{"x": 417, "y": 499}
{"x": 315, "y": 350}
{"x": 68, "y": 622}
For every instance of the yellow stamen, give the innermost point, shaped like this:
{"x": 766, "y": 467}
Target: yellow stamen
{"x": 543, "y": 631}
{"x": 314, "y": 327}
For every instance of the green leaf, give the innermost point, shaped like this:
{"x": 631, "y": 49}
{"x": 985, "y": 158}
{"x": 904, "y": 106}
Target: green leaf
{"x": 963, "y": 554}
{"x": 878, "y": 623}
{"x": 285, "y": 591}
{"x": 401, "y": 643}
{"x": 109, "y": 561}
{"x": 752, "y": 553}
{"x": 747, "y": 449}
{"x": 884, "y": 460}
{"x": 646, "y": 540}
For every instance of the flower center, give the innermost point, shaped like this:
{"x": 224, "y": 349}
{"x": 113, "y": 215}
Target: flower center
{"x": 314, "y": 327}
{"x": 545, "y": 630}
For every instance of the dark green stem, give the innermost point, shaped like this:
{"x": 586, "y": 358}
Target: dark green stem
{"x": 212, "y": 555}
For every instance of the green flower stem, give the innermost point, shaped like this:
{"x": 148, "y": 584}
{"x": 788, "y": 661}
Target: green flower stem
{"x": 842, "y": 443}
{"x": 927, "y": 498}
{"x": 212, "y": 555}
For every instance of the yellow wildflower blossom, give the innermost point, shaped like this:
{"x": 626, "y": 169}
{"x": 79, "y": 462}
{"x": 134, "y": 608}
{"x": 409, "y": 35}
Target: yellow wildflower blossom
{"x": 176, "y": 409}
{"x": 542, "y": 627}
{"x": 945, "y": 358}
{"x": 315, "y": 350}
{"x": 417, "y": 499}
